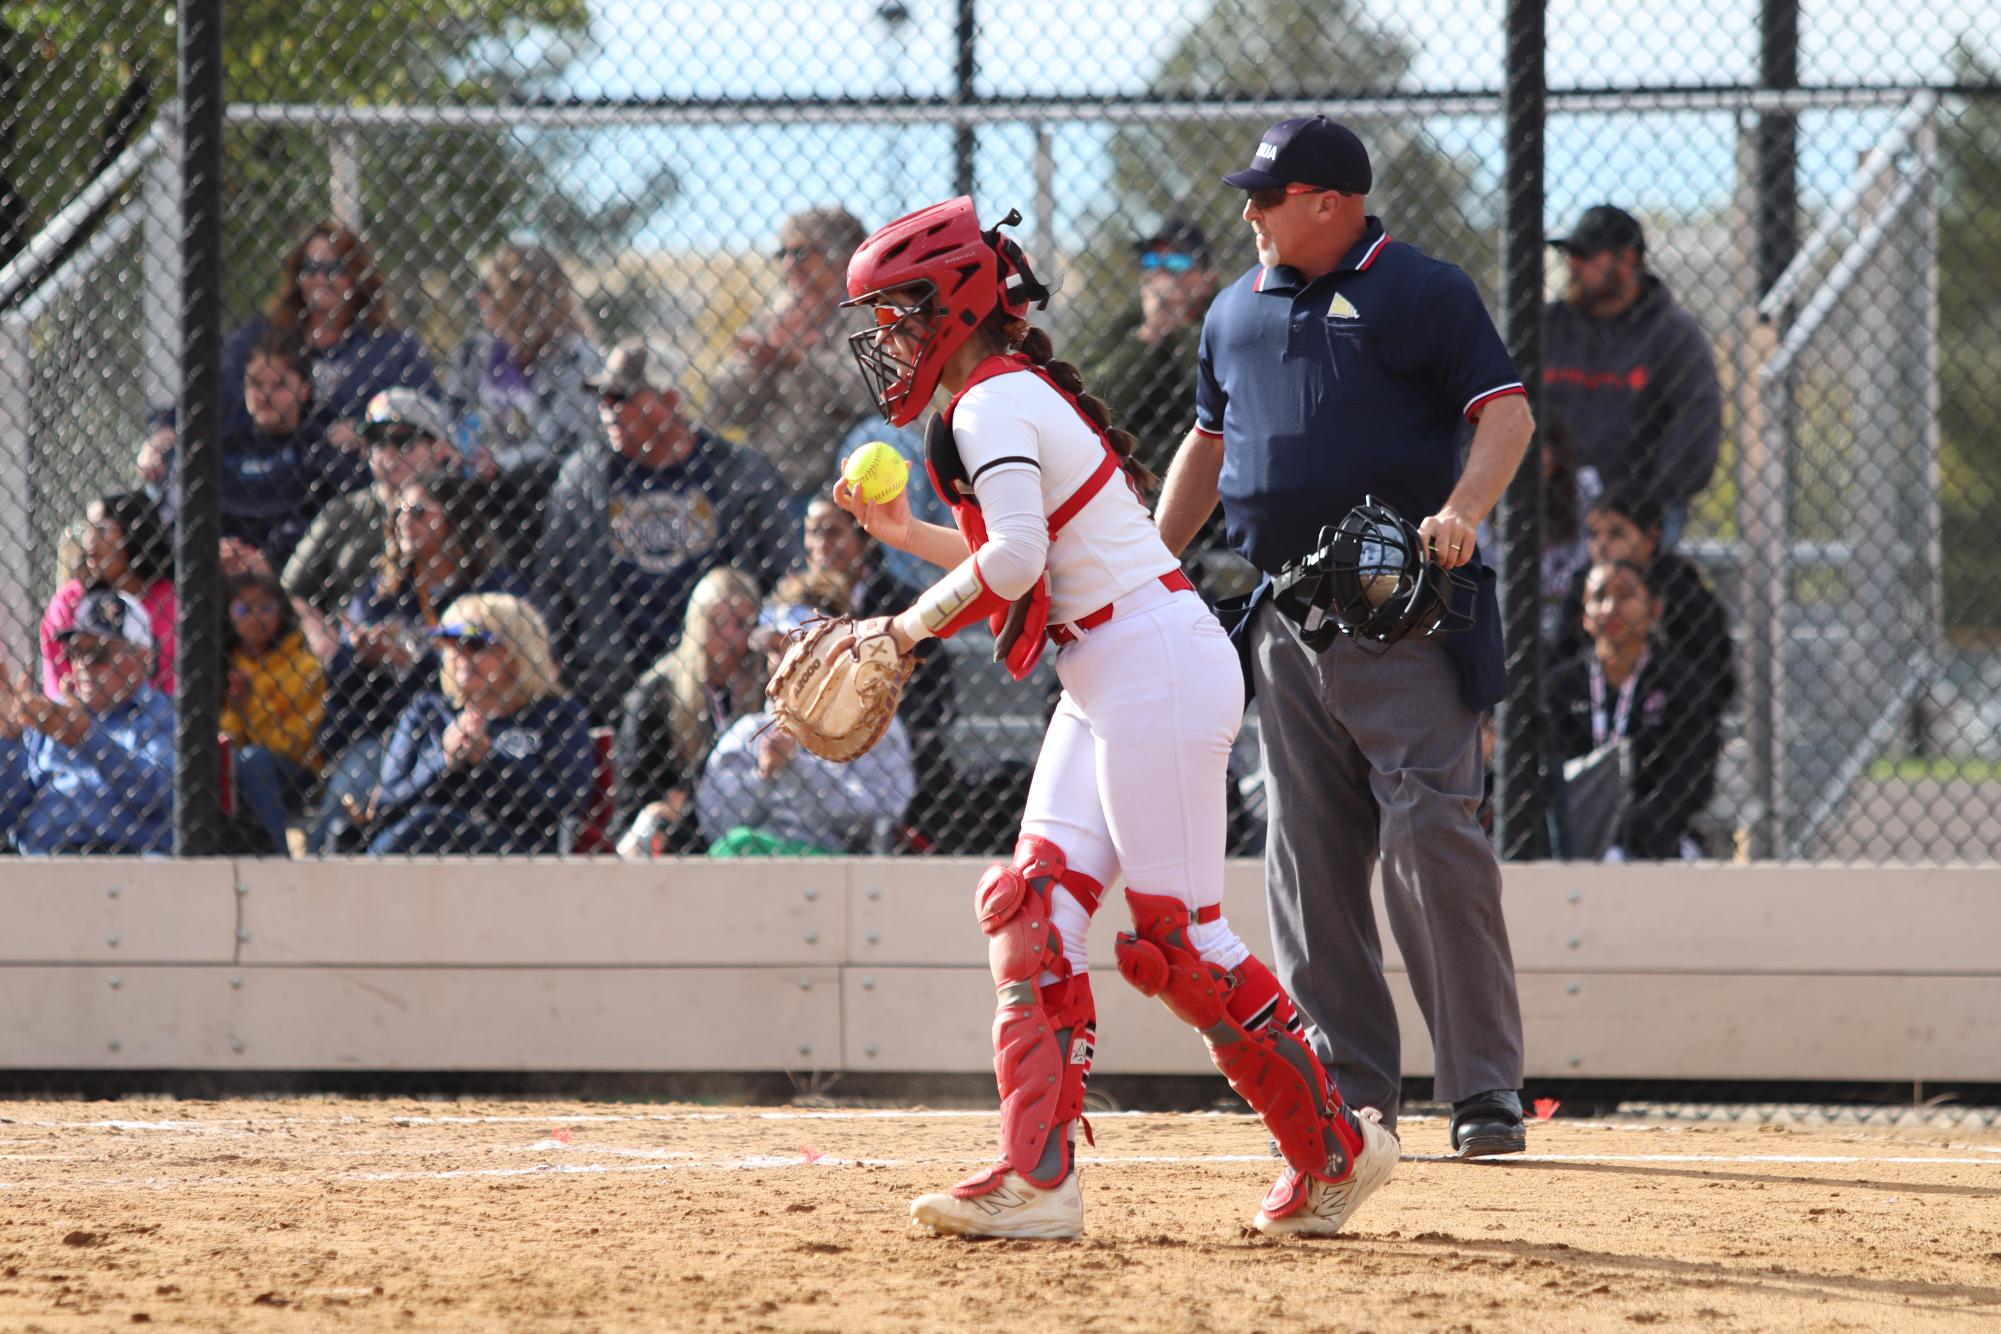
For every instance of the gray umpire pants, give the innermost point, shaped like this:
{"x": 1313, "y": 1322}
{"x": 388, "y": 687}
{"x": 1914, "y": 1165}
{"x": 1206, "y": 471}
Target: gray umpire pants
{"x": 1372, "y": 757}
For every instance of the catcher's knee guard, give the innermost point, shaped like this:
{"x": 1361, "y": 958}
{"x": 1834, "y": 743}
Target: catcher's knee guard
{"x": 1253, "y": 1033}
{"x": 1044, "y": 1036}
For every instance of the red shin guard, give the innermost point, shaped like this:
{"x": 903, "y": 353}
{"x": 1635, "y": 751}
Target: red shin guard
{"x": 1044, "y": 1036}
{"x": 1253, "y": 1034}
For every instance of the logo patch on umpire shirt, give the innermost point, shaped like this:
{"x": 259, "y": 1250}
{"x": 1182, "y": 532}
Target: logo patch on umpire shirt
{"x": 1342, "y": 309}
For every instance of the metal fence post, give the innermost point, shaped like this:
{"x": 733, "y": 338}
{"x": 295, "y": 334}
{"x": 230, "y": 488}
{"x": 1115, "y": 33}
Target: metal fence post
{"x": 198, "y": 527}
{"x": 1520, "y": 811}
{"x": 965, "y": 66}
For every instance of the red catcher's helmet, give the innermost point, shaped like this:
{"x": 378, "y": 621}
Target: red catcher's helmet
{"x": 948, "y": 276}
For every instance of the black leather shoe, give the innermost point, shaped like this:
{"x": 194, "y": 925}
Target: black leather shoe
{"x": 1488, "y": 1123}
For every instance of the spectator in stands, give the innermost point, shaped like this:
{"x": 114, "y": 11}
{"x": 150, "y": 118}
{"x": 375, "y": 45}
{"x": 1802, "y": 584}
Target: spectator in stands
{"x": 409, "y": 435}
{"x": 837, "y": 547}
{"x": 790, "y": 385}
{"x": 1628, "y": 686}
{"x": 501, "y": 760}
{"x": 1628, "y": 372}
{"x": 272, "y": 464}
{"x": 629, "y": 530}
{"x": 91, "y": 772}
{"x": 761, "y": 794}
{"x": 333, "y": 301}
{"x": 671, "y": 717}
{"x": 126, "y": 548}
{"x": 518, "y": 387}
{"x": 436, "y": 551}
{"x": 1146, "y": 372}
{"x": 276, "y": 701}
{"x": 1626, "y": 525}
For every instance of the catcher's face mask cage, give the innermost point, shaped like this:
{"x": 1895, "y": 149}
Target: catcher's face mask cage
{"x": 900, "y": 326}
{"x": 1370, "y": 579}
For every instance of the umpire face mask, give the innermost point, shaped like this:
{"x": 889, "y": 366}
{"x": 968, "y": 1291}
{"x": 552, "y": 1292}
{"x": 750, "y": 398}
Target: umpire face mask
{"x": 1369, "y": 579}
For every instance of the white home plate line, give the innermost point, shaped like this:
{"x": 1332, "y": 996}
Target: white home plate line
{"x": 772, "y": 1162}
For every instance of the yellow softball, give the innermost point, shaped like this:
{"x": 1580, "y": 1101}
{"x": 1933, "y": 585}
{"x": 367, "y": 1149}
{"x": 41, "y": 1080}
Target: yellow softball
{"x": 877, "y": 472}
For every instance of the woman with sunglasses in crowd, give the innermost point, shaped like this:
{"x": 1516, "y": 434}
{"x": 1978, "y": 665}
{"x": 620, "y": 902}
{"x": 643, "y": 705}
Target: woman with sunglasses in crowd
{"x": 498, "y": 759}
{"x": 435, "y": 550}
{"x": 333, "y": 301}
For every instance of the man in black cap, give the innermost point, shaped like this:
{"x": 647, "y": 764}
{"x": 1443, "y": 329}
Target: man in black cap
{"x": 1146, "y": 373}
{"x": 1344, "y": 365}
{"x": 1628, "y": 373}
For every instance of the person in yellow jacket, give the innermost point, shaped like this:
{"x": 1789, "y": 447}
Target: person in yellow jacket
{"x": 276, "y": 702}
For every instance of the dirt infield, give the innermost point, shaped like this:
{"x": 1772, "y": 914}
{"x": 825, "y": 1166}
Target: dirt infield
{"x": 543, "y": 1216}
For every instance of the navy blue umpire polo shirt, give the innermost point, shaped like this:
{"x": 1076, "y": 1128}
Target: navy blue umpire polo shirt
{"x": 1355, "y": 384}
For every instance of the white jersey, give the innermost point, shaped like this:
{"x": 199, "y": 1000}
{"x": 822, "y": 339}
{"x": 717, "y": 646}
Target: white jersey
{"x": 1015, "y": 429}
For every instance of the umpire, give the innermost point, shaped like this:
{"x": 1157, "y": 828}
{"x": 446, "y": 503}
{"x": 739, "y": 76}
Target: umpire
{"x": 1343, "y": 365}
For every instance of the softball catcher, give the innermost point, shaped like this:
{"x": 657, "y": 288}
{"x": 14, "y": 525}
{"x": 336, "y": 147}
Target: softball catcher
{"x": 1054, "y": 546}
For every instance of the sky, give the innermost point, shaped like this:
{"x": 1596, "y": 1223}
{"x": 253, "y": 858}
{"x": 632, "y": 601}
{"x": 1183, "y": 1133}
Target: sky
{"x": 708, "y": 48}
{"x": 739, "y": 182}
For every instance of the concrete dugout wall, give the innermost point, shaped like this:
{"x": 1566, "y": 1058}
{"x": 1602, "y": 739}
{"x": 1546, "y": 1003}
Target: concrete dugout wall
{"x": 1643, "y": 972}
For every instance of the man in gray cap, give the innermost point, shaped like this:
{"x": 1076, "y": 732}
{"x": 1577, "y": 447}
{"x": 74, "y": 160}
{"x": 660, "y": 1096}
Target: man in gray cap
{"x": 790, "y": 385}
{"x": 629, "y": 529}
{"x": 1628, "y": 373}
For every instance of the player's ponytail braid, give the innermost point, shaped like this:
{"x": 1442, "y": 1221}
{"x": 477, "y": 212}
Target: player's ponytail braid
{"x": 1035, "y": 344}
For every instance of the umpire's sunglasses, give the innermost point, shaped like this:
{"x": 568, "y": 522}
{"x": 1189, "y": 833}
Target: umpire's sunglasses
{"x": 1272, "y": 196}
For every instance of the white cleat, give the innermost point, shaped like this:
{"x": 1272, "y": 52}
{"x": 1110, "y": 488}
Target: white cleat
{"x": 1329, "y": 1205}
{"x": 1013, "y": 1208}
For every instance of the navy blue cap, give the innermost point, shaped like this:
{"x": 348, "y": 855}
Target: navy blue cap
{"x": 1310, "y": 150}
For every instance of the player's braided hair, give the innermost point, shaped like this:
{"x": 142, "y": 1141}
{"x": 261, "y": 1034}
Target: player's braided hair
{"x": 1013, "y": 332}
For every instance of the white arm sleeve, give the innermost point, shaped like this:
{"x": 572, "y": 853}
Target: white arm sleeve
{"x": 1017, "y": 548}
{"x": 1000, "y": 443}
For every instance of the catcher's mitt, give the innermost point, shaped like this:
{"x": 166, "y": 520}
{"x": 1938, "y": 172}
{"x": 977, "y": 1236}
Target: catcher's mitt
{"x": 837, "y": 704}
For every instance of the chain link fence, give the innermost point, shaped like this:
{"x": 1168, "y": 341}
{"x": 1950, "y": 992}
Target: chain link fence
{"x": 534, "y": 386}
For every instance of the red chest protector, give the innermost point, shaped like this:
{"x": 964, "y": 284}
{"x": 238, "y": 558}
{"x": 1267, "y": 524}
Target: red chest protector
{"x": 1020, "y": 627}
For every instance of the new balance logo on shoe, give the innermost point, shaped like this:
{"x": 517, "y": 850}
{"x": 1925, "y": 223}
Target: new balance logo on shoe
{"x": 997, "y": 1202}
